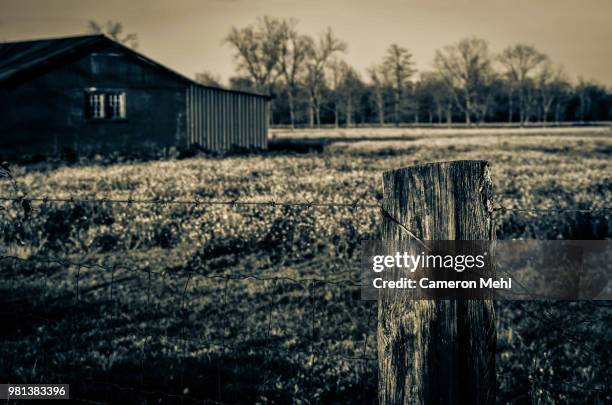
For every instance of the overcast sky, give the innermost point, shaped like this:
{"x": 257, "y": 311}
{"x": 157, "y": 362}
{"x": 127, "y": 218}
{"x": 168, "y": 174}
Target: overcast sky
{"x": 186, "y": 35}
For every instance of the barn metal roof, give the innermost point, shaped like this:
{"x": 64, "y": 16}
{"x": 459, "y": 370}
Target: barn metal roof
{"x": 19, "y": 57}
{"x": 23, "y": 59}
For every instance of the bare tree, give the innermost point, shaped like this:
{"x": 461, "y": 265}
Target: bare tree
{"x": 562, "y": 91}
{"x": 345, "y": 86}
{"x": 398, "y": 63}
{"x": 521, "y": 63}
{"x": 337, "y": 69}
{"x": 467, "y": 71}
{"x": 208, "y": 79}
{"x": 380, "y": 83}
{"x": 295, "y": 49}
{"x": 584, "y": 106}
{"x": 550, "y": 84}
{"x": 258, "y": 50}
{"x": 314, "y": 80}
{"x": 113, "y": 30}
{"x": 435, "y": 85}
{"x": 509, "y": 91}
{"x": 352, "y": 87}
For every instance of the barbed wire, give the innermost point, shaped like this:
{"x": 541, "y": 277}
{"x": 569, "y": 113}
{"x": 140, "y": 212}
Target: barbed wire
{"x": 356, "y": 204}
{"x": 235, "y": 276}
{"x": 503, "y": 209}
{"x": 169, "y": 201}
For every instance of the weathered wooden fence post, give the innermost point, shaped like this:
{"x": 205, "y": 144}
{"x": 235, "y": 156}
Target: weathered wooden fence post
{"x": 437, "y": 351}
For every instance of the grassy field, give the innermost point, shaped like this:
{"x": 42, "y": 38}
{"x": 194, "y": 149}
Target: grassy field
{"x": 260, "y": 303}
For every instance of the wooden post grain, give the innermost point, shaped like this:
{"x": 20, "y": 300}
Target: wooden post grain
{"x": 437, "y": 351}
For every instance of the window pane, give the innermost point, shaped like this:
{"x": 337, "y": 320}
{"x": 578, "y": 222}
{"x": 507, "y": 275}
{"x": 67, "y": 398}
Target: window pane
{"x": 116, "y": 105}
{"x": 96, "y": 105}
{"x": 122, "y": 105}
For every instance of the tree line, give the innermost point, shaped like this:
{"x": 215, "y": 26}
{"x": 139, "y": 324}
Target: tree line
{"x": 311, "y": 84}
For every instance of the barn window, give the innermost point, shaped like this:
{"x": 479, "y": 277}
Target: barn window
{"x": 106, "y": 105}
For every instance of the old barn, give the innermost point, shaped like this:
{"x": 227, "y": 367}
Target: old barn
{"x": 90, "y": 94}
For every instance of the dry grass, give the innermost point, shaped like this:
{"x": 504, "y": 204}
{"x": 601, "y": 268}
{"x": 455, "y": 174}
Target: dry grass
{"x": 168, "y": 323}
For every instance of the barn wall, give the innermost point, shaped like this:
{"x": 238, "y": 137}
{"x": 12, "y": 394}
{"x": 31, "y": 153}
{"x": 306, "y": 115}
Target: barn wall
{"x": 47, "y": 113}
{"x": 221, "y": 120}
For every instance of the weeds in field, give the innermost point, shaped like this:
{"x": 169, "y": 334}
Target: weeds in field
{"x": 163, "y": 297}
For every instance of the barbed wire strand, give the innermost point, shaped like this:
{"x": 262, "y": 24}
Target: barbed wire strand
{"x": 26, "y": 203}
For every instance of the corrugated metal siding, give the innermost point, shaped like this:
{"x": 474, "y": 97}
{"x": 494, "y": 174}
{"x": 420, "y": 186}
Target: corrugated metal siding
{"x": 219, "y": 120}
